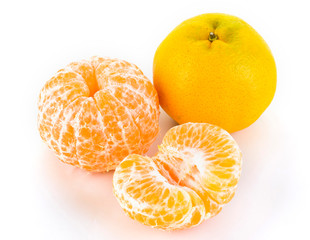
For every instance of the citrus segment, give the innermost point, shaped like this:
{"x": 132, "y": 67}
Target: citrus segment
{"x": 148, "y": 197}
{"x": 125, "y": 83}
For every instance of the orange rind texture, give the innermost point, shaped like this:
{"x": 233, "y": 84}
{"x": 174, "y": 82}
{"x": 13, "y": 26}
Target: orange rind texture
{"x": 193, "y": 175}
{"x": 228, "y": 81}
{"x": 93, "y": 113}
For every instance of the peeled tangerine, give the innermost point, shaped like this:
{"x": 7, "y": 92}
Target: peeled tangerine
{"x": 95, "y": 112}
{"x": 193, "y": 175}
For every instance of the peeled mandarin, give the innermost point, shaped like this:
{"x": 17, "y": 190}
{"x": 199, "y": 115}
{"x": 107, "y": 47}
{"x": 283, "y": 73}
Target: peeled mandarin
{"x": 93, "y": 113}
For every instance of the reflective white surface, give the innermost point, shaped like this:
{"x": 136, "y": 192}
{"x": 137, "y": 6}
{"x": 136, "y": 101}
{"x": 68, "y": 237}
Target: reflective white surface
{"x": 42, "y": 198}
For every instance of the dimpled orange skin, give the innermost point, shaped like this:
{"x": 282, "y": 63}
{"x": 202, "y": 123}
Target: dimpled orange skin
{"x": 227, "y": 79}
{"x": 194, "y": 174}
{"x": 95, "y": 112}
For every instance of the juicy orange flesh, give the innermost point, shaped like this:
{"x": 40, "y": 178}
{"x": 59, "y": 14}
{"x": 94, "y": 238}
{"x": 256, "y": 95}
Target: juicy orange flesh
{"x": 160, "y": 199}
{"x": 94, "y": 113}
{"x": 193, "y": 175}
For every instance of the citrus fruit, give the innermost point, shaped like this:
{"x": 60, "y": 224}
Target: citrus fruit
{"x": 193, "y": 175}
{"x": 215, "y": 68}
{"x": 95, "y": 112}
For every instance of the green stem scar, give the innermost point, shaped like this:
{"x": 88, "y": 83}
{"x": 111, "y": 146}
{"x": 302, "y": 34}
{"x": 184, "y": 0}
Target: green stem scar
{"x": 212, "y": 37}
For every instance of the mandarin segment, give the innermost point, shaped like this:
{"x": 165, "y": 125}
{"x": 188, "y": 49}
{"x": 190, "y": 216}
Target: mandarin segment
{"x": 64, "y": 134}
{"x": 124, "y": 84}
{"x": 92, "y": 118}
{"x": 56, "y": 94}
{"x": 205, "y": 146}
{"x": 193, "y": 175}
{"x": 148, "y": 197}
{"x": 124, "y": 136}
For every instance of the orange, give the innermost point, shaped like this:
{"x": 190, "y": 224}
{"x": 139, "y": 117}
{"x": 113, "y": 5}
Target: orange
{"x": 95, "y": 112}
{"x": 215, "y": 68}
{"x": 194, "y": 174}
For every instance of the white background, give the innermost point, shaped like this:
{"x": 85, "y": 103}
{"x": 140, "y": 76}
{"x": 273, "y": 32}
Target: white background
{"x": 41, "y": 198}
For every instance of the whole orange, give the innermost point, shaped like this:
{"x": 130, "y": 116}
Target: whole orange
{"x": 215, "y": 68}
